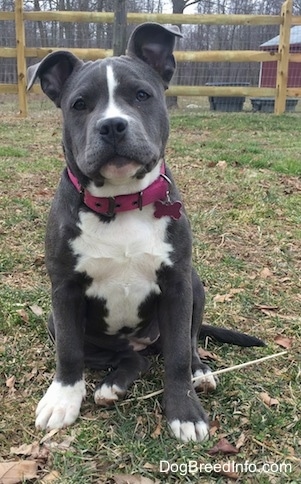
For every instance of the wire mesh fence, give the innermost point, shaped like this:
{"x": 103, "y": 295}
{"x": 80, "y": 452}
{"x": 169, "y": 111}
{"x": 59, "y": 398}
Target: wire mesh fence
{"x": 197, "y": 38}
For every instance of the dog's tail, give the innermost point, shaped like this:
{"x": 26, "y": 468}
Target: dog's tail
{"x": 229, "y": 336}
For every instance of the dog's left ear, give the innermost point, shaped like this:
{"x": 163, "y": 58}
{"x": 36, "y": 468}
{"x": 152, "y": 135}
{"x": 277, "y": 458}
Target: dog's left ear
{"x": 154, "y": 44}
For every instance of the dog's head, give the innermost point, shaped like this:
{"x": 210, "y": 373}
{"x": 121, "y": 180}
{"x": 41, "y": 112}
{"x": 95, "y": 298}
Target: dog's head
{"x": 115, "y": 119}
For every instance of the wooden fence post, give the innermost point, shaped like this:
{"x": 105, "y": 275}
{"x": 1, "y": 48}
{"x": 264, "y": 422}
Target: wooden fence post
{"x": 21, "y": 60}
{"x": 119, "y": 30}
{"x": 283, "y": 62}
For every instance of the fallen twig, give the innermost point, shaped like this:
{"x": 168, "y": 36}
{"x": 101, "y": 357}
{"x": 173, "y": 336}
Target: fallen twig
{"x": 242, "y": 365}
{"x": 272, "y": 449}
{"x": 215, "y": 373}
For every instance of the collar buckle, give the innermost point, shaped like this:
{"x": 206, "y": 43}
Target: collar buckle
{"x": 140, "y": 200}
{"x": 111, "y": 207}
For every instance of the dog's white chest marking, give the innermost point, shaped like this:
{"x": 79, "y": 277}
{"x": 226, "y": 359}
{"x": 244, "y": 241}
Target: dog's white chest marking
{"x": 121, "y": 258}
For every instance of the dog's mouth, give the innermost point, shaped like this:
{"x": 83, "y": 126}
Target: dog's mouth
{"x": 119, "y": 169}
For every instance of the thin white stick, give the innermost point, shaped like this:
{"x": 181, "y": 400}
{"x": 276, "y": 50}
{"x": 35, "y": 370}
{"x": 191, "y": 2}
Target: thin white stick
{"x": 217, "y": 372}
{"x": 242, "y": 365}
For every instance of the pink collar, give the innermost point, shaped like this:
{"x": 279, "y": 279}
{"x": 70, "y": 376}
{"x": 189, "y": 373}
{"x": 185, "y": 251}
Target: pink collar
{"x": 156, "y": 192}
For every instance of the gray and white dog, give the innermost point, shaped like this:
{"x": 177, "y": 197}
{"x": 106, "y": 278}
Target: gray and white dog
{"x": 118, "y": 243}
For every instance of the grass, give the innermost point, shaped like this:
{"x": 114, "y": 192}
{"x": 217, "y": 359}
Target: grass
{"x": 254, "y": 144}
{"x": 240, "y": 179}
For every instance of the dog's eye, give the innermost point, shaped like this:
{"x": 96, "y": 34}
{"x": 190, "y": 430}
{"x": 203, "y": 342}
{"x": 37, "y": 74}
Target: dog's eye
{"x": 142, "y": 96}
{"x": 79, "y": 105}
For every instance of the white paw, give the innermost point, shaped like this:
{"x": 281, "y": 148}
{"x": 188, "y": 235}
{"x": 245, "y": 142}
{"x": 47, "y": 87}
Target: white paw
{"x": 106, "y": 395}
{"x": 204, "y": 381}
{"x": 185, "y": 431}
{"x": 60, "y": 405}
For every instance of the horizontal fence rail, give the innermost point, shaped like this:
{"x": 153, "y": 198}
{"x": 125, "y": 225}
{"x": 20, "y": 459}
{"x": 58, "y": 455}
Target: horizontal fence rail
{"x": 285, "y": 20}
{"x": 163, "y": 18}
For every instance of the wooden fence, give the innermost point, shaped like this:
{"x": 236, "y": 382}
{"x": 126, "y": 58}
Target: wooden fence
{"x": 285, "y": 20}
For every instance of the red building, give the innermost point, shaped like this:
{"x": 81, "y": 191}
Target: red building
{"x": 268, "y": 70}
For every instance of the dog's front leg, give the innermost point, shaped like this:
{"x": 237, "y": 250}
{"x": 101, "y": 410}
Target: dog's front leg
{"x": 61, "y": 403}
{"x": 184, "y": 413}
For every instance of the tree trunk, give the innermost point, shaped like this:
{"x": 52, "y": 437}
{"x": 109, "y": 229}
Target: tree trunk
{"x": 42, "y": 30}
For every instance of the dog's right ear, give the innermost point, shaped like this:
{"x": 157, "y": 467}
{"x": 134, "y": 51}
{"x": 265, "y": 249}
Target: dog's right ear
{"x": 53, "y": 71}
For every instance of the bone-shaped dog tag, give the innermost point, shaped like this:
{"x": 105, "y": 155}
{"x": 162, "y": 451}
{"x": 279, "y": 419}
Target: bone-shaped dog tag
{"x": 168, "y": 209}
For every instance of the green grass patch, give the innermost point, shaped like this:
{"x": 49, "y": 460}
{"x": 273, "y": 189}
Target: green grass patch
{"x": 254, "y": 140}
{"x": 10, "y": 151}
{"x": 240, "y": 179}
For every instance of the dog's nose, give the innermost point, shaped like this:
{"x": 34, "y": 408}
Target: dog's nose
{"x": 112, "y": 129}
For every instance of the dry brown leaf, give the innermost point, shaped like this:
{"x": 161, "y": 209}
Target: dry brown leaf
{"x": 23, "y": 315}
{"x": 150, "y": 467}
{"x": 240, "y": 441}
{"x": 10, "y": 382}
{"x": 285, "y": 279}
{"x": 290, "y": 451}
{"x": 139, "y": 420}
{"x": 224, "y": 447}
{"x": 283, "y": 341}
{"x": 214, "y": 427}
{"x": 207, "y": 355}
{"x": 42, "y": 455}
{"x": 268, "y": 313}
{"x": 49, "y": 435}
{"x": 133, "y": 479}
{"x": 221, "y": 298}
{"x": 34, "y": 451}
{"x": 236, "y": 290}
{"x": 227, "y": 297}
{"x": 269, "y": 401}
{"x": 32, "y": 374}
{"x": 51, "y": 477}
{"x": 158, "y": 428}
{"x": 222, "y": 164}
{"x": 64, "y": 445}
{"x": 265, "y": 273}
{"x": 26, "y": 449}
{"x": 17, "y": 471}
{"x": 265, "y": 307}
{"x": 39, "y": 260}
{"x": 104, "y": 414}
{"x": 37, "y": 310}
